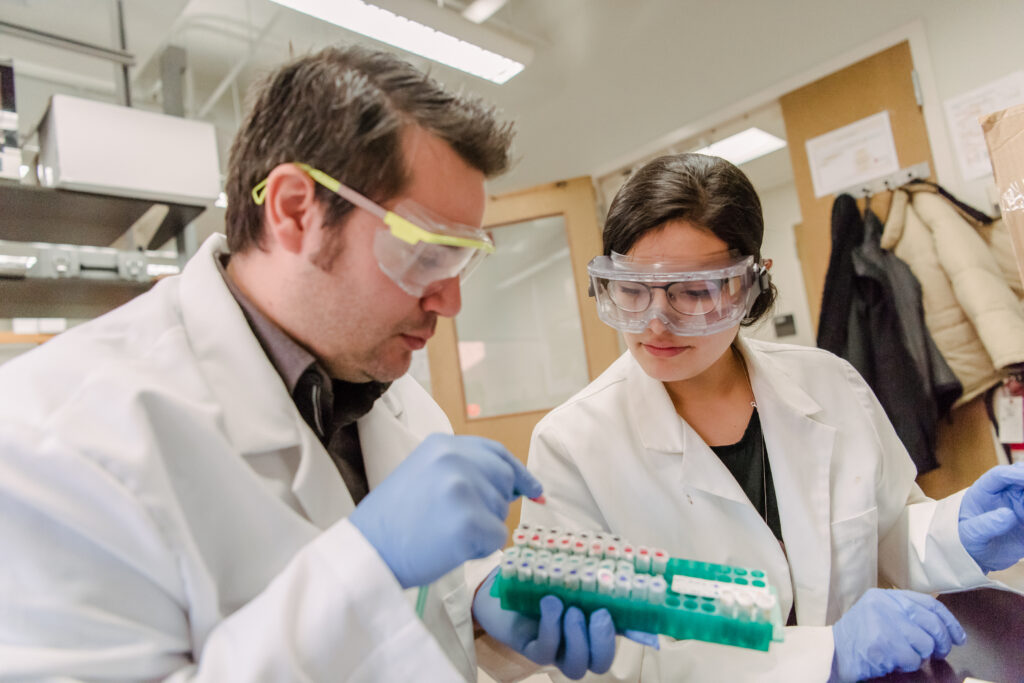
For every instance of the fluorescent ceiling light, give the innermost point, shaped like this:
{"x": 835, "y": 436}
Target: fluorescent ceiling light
{"x": 480, "y": 11}
{"x": 743, "y": 147}
{"x": 413, "y": 36}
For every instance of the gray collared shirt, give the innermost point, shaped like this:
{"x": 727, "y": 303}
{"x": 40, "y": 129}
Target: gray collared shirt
{"x": 329, "y": 406}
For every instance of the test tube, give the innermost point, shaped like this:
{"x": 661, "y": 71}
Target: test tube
{"x": 527, "y": 553}
{"x": 544, "y": 555}
{"x": 556, "y": 576}
{"x": 536, "y": 541}
{"x": 657, "y": 587}
{"x": 579, "y": 546}
{"x": 643, "y": 558}
{"x": 551, "y": 542}
{"x": 588, "y": 580}
{"x": 572, "y": 578}
{"x": 638, "y": 588}
{"x": 659, "y": 561}
{"x": 628, "y": 553}
{"x": 565, "y": 542}
{"x": 525, "y": 571}
{"x": 540, "y": 574}
{"x": 623, "y": 584}
{"x": 523, "y": 526}
{"x": 596, "y": 549}
{"x": 513, "y": 551}
{"x": 624, "y": 566}
{"x": 611, "y": 550}
{"x": 559, "y": 558}
{"x": 765, "y": 602}
{"x": 605, "y": 582}
{"x": 745, "y": 605}
{"x": 520, "y": 538}
{"x": 727, "y": 602}
{"x": 509, "y": 568}
{"x": 608, "y": 565}
{"x": 591, "y": 563}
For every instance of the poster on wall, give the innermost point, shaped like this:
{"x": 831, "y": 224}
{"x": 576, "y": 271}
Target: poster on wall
{"x": 963, "y": 113}
{"x": 854, "y": 154}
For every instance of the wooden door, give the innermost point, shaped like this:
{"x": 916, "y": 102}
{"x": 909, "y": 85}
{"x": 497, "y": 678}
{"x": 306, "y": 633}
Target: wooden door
{"x": 572, "y": 204}
{"x": 882, "y": 82}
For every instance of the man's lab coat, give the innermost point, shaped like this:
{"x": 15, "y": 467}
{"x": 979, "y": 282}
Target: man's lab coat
{"x": 617, "y": 457}
{"x": 166, "y": 512}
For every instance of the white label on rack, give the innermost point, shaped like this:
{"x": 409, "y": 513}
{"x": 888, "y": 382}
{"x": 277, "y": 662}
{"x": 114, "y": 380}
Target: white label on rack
{"x": 706, "y": 588}
{"x": 1009, "y": 412}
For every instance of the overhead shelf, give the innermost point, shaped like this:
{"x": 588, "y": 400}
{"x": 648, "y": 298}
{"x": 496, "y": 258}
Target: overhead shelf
{"x": 44, "y": 280}
{"x": 41, "y": 214}
{"x": 65, "y": 298}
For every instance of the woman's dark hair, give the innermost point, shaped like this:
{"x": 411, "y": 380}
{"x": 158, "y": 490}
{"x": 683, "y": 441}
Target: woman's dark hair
{"x": 706, "y": 191}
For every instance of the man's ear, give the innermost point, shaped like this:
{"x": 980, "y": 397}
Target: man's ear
{"x": 289, "y": 207}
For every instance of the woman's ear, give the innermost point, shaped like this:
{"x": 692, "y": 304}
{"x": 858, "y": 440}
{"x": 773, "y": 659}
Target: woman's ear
{"x": 767, "y": 263}
{"x": 289, "y": 200}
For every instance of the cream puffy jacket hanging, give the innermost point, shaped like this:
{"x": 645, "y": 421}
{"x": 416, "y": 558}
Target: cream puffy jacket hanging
{"x": 971, "y": 290}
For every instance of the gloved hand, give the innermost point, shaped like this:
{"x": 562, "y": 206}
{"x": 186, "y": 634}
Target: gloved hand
{"x": 992, "y": 518}
{"x": 445, "y": 504}
{"x": 892, "y": 630}
{"x": 569, "y": 643}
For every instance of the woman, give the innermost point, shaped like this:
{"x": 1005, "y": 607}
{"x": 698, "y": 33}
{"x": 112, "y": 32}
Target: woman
{"x": 735, "y": 451}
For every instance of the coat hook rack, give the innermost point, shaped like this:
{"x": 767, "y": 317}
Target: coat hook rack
{"x": 889, "y": 182}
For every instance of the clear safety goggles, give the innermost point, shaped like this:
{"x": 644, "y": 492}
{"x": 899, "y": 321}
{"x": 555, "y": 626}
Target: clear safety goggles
{"x": 690, "y": 299}
{"x": 419, "y": 247}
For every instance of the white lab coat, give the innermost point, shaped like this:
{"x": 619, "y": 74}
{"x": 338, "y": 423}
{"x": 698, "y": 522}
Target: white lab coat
{"x": 618, "y": 457}
{"x": 166, "y": 512}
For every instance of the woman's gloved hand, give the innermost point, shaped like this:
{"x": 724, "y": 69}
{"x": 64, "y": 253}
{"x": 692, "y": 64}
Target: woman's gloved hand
{"x": 992, "y": 518}
{"x": 892, "y": 630}
{"x": 568, "y": 641}
{"x": 445, "y": 504}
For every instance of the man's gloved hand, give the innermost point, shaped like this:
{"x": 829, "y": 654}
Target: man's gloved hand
{"x": 992, "y": 518}
{"x": 568, "y": 642}
{"x": 892, "y": 630}
{"x": 445, "y": 504}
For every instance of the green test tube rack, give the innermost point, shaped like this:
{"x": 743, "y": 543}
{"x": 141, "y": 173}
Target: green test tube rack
{"x": 643, "y": 588}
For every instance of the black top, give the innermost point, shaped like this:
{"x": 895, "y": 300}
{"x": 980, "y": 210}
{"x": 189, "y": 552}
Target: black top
{"x": 744, "y": 460}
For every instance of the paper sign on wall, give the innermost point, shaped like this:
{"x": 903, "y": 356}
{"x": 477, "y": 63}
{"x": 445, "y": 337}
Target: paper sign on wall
{"x": 857, "y": 153}
{"x": 963, "y": 112}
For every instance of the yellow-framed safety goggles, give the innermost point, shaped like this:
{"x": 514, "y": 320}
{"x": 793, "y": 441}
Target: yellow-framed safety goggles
{"x": 401, "y": 227}
{"x": 419, "y": 247}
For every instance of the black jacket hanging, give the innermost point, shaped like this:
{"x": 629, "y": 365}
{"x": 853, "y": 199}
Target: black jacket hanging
{"x": 875, "y": 320}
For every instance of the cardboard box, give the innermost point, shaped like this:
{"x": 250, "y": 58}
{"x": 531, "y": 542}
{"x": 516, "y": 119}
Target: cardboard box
{"x": 106, "y": 148}
{"x": 1004, "y": 135}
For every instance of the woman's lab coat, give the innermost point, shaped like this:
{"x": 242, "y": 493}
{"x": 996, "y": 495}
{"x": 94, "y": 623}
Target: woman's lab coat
{"x": 166, "y": 512}
{"x": 618, "y": 457}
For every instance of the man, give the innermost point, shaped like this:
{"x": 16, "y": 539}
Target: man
{"x": 230, "y": 478}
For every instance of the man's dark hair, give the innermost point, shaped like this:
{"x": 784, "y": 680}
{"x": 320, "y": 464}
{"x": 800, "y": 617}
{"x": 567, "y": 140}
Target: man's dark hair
{"x": 343, "y": 111}
{"x": 706, "y": 191}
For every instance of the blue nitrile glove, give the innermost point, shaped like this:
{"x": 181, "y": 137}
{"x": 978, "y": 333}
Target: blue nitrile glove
{"x": 445, "y": 504}
{"x": 569, "y": 643}
{"x": 892, "y": 630}
{"x": 992, "y": 518}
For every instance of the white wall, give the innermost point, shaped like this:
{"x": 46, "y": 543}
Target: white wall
{"x": 624, "y": 74}
{"x": 781, "y": 210}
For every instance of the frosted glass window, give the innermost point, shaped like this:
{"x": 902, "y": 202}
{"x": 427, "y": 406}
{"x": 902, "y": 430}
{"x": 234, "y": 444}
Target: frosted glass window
{"x": 519, "y": 335}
